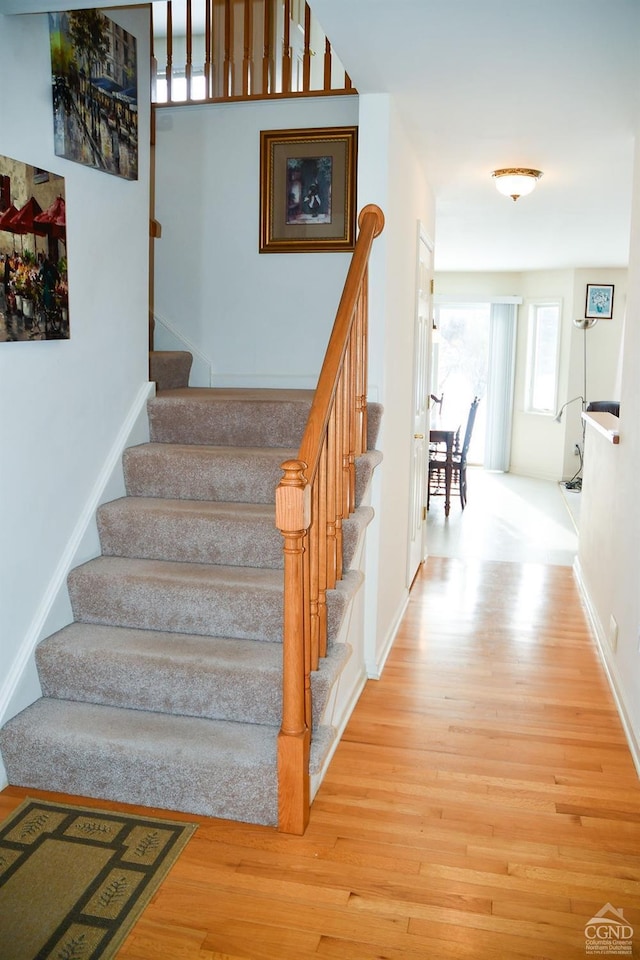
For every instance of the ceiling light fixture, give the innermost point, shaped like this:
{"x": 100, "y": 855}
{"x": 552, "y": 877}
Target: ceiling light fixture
{"x": 516, "y": 182}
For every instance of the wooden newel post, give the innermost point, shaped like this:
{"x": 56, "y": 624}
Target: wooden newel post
{"x": 293, "y": 517}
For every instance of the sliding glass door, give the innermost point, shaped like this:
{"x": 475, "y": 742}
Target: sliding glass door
{"x": 474, "y": 356}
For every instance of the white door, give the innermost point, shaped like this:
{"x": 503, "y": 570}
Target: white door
{"x": 420, "y": 413}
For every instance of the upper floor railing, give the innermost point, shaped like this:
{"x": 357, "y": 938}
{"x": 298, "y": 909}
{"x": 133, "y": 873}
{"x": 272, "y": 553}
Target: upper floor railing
{"x": 213, "y": 50}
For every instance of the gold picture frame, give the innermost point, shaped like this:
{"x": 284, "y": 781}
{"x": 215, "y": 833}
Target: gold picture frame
{"x": 308, "y": 190}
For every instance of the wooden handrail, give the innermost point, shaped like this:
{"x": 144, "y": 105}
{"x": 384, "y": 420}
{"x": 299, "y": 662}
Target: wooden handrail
{"x": 316, "y": 493}
{"x": 241, "y": 52}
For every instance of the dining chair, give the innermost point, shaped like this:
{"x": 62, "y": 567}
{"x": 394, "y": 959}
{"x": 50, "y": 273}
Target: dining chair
{"x": 438, "y": 463}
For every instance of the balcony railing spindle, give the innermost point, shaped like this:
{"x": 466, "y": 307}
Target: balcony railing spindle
{"x": 247, "y": 62}
{"x": 227, "y": 66}
{"x": 208, "y": 50}
{"x": 327, "y": 65}
{"x": 169, "y": 66}
{"x": 286, "y": 48}
{"x": 189, "y": 61}
{"x": 306, "y": 62}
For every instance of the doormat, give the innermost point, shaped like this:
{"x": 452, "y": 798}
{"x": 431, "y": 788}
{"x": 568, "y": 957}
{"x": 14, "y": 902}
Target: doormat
{"x": 73, "y": 880}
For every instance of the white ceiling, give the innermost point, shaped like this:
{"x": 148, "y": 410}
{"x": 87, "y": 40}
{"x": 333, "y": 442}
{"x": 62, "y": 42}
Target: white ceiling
{"x": 483, "y": 84}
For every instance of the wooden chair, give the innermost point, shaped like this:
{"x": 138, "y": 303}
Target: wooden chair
{"x": 437, "y": 463}
{"x": 435, "y": 401}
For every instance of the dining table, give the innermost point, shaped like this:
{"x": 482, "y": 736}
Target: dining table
{"x": 445, "y": 435}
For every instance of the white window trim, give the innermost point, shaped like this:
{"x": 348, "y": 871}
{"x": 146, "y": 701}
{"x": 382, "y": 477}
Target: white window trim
{"x": 532, "y": 305}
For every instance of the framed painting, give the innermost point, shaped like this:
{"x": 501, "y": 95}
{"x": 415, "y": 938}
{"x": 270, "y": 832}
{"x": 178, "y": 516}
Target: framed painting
{"x": 599, "y": 301}
{"x": 94, "y": 69}
{"x": 34, "y": 292}
{"x": 308, "y": 190}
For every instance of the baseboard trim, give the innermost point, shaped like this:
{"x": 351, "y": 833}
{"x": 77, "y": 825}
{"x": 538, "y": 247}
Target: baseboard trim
{"x": 375, "y": 667}
{"x": 202, "y": 368}
{"x": 609, "y": 667}
{"x": 11, "y": 702}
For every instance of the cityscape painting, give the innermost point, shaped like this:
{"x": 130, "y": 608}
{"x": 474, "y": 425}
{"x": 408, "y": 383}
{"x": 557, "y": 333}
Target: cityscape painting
{"x": 34, "y": 295}
{"x": 95, "y": 95}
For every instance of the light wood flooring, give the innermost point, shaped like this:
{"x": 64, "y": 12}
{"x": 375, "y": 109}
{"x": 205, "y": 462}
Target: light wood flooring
{"x": 507, "y": 517}
{"x": 481, "y": 804}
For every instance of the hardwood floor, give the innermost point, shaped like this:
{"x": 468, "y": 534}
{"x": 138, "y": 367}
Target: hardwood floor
{"x": 528, "y": 520}
{"x": 481, "y": 804}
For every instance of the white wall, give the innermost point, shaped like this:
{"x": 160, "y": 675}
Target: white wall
{"x": 64, "y": 403}
{"x": 390, "y": 176}
{"x": 540, "y": 447}
{"x": 252, "y": 319}
{"x": 608, "y": 545}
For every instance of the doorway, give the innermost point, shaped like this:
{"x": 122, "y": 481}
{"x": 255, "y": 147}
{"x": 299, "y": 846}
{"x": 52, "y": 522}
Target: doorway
{"x": 474, "y": 356}
{"x": 460, "y": 362}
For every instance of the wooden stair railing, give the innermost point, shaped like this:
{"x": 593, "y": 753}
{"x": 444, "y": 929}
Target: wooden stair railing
{"x": 316, "y": 492}
{"x": 207, "y": 51}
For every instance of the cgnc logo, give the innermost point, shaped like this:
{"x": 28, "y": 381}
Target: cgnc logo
{"x": 608, "y": 933}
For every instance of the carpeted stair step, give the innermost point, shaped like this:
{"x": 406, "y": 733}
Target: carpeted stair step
{"x": 374, "y": 422}
{"x": 199, "y": 598}
{"x": 365, "y": 466}
{"x": 193, "y": 531}
{"x": 219, "y": 678}
{"x": 201, "y": 531}
{"x": 204, "y": 599}
{"x": 239, "y": 416}
{"x": 230, "y": 417}
{"x": 194, "y": 472}
{"x": 209, "y": 767}
{"x": 170, "y": 369}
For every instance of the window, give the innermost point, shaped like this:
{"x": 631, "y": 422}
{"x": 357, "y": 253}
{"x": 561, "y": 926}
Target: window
{"x": 542, "y": 357}
{"x": 179, "y": 87}
{"x": 460, "y": 366}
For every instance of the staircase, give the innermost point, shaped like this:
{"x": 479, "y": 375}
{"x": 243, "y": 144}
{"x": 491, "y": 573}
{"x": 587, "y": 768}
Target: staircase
{"x": 166, "y": 690}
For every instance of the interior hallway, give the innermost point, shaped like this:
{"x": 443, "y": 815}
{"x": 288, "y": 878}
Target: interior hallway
{"x": 482, "y": 802}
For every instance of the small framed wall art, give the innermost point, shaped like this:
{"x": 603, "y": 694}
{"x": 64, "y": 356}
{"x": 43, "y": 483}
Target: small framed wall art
{"x": 307, "y": 190}
{"x": 599, "y": 303}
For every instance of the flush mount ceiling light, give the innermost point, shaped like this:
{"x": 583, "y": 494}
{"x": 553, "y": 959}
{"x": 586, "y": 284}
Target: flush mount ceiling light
{"x": 516, "y": 182}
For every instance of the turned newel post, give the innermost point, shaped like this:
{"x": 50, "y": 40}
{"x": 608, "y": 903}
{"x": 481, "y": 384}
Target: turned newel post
{"x": 293, "y": 517}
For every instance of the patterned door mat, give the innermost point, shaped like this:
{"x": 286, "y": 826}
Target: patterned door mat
{"x": 73, "y": 880}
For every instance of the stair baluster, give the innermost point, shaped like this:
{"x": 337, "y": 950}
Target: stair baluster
{"x": 315, "y": 493}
